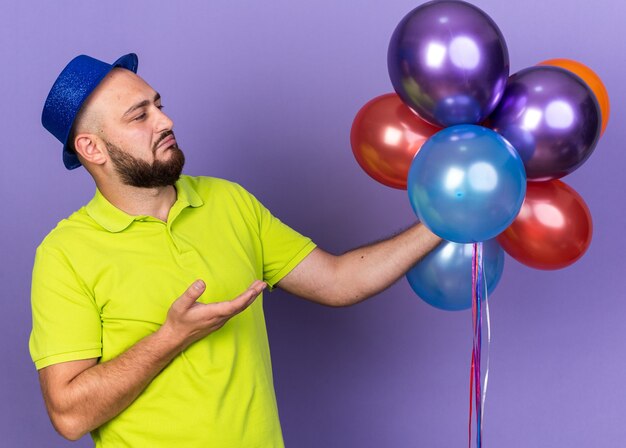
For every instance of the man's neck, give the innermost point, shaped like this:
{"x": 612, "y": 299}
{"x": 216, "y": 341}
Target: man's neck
{"x": 155, "y": 202}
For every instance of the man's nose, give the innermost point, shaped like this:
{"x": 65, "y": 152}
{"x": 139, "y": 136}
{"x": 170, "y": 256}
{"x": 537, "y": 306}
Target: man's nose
{"x": 163, "y": 122}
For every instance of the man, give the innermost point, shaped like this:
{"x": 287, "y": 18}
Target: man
{"x": 121, "y": 353}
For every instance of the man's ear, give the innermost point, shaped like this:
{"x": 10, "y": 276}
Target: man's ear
{"x": 90, "y": 148}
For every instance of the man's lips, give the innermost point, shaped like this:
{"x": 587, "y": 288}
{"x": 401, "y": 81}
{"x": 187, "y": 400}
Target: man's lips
{"x": 167, "y": 142}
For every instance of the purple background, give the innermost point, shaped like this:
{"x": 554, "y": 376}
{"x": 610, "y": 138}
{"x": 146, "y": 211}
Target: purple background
{"x": 264, "y": 93}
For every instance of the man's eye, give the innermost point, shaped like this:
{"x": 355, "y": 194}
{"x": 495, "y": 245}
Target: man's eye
{"x": 140, "y": 117}
{"x": 160, "y": 106}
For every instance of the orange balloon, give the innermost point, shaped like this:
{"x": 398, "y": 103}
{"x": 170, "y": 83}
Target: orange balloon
{"x": 553, "y": 228}
{"x": 592, "y": 80}
{"x": 385, "y": 137}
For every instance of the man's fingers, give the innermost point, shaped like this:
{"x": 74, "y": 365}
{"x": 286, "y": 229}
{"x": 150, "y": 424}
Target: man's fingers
{"x": 246, "y": 297}
{"x": 192, "y": 294}
{"x": 225, "y": 309}
{"x": 241, "y": 302}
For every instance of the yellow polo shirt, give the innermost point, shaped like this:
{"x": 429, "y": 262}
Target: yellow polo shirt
{"x": 103, "y": 280}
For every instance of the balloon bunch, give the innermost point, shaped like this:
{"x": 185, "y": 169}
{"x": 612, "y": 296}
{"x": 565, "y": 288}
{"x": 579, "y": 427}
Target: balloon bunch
{"x": 480, "y": 152}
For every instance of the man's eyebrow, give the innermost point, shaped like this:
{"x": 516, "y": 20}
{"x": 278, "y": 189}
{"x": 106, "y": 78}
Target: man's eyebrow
{"x": 141, "y": 104}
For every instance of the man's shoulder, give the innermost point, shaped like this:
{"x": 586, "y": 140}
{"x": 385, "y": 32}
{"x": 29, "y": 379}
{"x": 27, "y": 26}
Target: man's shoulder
{"x": 201, "y": 183}
{"x": 70, "y": 229}
{"x": 209, "y": 187}
{"x": 224, "y": 195}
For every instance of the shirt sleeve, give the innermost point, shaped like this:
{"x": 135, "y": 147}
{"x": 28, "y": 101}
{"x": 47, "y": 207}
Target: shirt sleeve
{"x": 66, "y": 319}
{"x": 283, "y": 247}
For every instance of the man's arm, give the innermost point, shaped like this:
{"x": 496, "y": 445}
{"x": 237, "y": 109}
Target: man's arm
{"x": 82, "y": 395}
{"x": 356, "y": 275}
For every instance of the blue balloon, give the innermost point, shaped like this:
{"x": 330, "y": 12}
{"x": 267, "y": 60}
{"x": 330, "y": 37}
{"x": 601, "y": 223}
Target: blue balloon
{"x": 466, "y": 184}
{"x": 443, "y": 278}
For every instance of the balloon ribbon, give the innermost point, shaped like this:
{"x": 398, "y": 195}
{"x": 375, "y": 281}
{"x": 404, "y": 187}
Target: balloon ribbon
{"x": 478, "y": 291}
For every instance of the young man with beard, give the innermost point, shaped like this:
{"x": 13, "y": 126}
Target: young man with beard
{"x": 146, "y": 331}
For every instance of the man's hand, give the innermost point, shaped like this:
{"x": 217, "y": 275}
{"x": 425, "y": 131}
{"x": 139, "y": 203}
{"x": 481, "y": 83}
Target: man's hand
{"x": 82, "y": 395}
{"x": 189, "y": 320}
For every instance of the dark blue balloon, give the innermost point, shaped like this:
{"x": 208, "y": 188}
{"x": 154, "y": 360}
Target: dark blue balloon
{"x": 449, "y": 62}
{"x": 443, "y": 278}
{"x": 466, "y": 184}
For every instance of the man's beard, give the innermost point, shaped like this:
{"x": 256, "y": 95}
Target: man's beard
{"x": 139, "y": 173}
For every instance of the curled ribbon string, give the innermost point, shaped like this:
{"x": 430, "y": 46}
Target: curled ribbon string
{"x": 486, "y": 379}
{"x": 478, "y": 290}
{"x": 477, "y": 345}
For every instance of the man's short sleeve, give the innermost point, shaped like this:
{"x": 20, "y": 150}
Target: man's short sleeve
{"x": 283, "y": 247}
{"x": 66, "y": 320}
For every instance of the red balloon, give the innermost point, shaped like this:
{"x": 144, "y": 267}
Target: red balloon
{"x": 553, "y": 228}
{"x": 385, "y": 137}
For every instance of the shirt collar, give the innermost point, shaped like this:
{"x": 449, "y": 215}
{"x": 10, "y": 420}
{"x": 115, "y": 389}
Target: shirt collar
{"x": 115, "y": 220}
{"x": 186, "y": 193}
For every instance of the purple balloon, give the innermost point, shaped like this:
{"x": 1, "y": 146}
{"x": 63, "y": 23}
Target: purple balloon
{"x": 552, "y": 119}
{"x": 449, "y": 62}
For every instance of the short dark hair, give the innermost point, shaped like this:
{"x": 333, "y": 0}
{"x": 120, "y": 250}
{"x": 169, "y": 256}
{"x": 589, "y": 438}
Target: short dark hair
{"x": 74, "y": 129}
{"x": 71, "y": 138}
